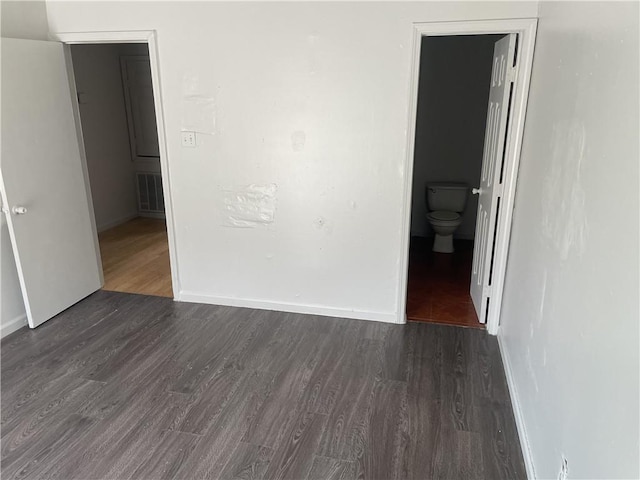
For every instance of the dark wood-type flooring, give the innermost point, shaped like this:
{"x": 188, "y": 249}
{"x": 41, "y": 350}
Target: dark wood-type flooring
{"x": 126, "y": 386}
{"x": 438, "y": 286}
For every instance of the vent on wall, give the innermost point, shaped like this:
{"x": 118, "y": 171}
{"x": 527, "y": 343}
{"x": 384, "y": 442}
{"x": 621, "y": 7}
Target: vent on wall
{"x": 150, "y": 196}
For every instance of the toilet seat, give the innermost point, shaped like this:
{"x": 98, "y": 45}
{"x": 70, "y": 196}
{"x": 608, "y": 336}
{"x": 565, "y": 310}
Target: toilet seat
{"x": 443, "y": 216}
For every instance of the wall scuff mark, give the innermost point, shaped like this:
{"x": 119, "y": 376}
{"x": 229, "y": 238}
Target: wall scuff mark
{"x": 249, "y": 206}
{"x": 563, "y": 194}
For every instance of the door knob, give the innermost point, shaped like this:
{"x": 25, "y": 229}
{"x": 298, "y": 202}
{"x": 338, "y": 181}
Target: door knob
{"x": 476, "y": 191}
{"x": 18, "y": 210}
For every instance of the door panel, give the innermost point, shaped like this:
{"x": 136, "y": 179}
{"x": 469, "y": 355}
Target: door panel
{"x": 490, "y": 189}
{"x": 143, "y": 132}
{"x": 41, "y": 170}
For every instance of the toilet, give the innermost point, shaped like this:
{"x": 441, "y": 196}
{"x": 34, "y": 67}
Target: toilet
{"x": 445, "y": 203}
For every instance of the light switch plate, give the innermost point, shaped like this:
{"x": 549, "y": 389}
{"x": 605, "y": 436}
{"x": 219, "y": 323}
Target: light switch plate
{"x": 188, "y": 139}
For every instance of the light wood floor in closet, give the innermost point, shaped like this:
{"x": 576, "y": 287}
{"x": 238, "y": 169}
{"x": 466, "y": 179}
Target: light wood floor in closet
{"x": 135, "y": 258}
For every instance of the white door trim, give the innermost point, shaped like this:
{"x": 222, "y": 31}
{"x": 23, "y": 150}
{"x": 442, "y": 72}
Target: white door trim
{"x": 526, "y": 28}
{"x": 149, "y": 37}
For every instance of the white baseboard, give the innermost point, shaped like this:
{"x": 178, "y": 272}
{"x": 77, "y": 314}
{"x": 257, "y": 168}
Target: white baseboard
{"x": 13, "y": 325}
{"x": 517, "y": 411}
{"x": 152, "y": 215}
{"x": 115, "y": 223}
{"x": 288, "y": 307}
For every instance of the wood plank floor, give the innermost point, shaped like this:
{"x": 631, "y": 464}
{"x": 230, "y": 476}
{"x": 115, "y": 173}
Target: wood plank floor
{"x": 127, "y": 386}
{"x": 135, "y": 257}
{"x": 438, "y": 286}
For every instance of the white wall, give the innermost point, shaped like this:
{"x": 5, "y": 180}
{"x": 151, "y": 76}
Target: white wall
{"x": 24, "y": 19}
{"x": 455, "y": 74}
{"x": 106, "y": 137}
{"x": 12, "y": 312}
{"x": 569, "y": 327}
{"x": 17, "y": 20}
{"x": 312, "y": 97}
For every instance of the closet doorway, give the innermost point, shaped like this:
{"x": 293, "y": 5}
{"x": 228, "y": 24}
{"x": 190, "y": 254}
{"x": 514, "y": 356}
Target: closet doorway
{"x": 118, "y": 119}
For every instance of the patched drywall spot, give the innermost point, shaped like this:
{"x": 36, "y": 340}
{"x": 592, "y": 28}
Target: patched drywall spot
{"x": 190, "y": 84}
{"x": 198, "y": 107}
{"x": 563, "y": 196}
{"x": 249, "y": 206}
{"x": 199, "y": 114}
{"x": 298, "y": 140}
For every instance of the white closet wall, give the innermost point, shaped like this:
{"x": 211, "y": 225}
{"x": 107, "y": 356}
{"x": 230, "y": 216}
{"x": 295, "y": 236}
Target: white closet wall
{"x": 106, "y": 138}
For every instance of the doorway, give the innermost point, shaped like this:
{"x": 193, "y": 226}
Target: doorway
{"x": 119, "y": 131}
{"x": 48, "y": 205}
{"x": 470, "y": 280}
{"x": 453, "y": 93}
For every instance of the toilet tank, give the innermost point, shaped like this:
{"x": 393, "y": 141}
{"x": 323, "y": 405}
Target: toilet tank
{"x": 450, "y": 196}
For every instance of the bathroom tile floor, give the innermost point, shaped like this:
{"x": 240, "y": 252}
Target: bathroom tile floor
{"x": 438, "y": 290}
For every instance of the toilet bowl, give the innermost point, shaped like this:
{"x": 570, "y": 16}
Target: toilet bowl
{"x": 444, "y": 223}
{"x": 445, "y": 202}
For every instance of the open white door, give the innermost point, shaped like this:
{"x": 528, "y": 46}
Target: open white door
{"x": 490, "y": 190}
{"x": 44, "y": 193}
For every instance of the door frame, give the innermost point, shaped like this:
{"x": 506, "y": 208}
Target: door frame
{"x": 137, "y": 36}
{"x": 526, "y": 29}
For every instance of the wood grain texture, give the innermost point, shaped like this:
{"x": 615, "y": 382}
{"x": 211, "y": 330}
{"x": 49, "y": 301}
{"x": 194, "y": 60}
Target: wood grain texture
{"x": 135, "y": 257}
{"x": 248, "y": 462}
{"x": 125, "y": 386}
{"x": 325, "y": 468}
{"x": 295, "y": 455}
